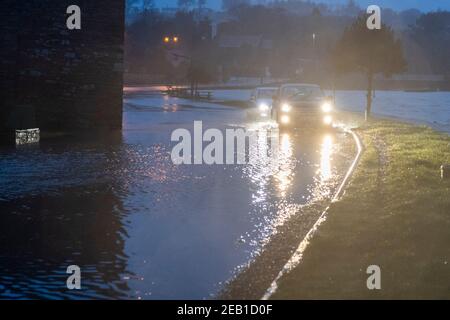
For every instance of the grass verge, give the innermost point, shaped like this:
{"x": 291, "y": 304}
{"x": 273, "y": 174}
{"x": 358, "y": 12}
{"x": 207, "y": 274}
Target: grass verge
{"x": 394, "y": 214}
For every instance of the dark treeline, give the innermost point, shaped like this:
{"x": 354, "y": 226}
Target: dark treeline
{"x": 292, "y": 39}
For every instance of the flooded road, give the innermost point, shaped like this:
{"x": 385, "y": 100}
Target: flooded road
{"x": 140, "y": 227}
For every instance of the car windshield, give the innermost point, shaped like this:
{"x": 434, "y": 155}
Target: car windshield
{"x": 304, "y": 93}
{"x": 265, "y": 93}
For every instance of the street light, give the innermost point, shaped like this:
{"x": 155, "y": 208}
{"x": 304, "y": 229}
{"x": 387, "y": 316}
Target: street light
{"x": 168, "y": 39}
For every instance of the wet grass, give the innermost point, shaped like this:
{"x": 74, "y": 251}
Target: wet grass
{"x": 394, "y": 214}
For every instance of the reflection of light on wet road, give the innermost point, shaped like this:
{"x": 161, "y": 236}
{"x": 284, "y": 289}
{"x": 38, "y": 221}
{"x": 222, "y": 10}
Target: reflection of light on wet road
{"x": 278, "y": 179}
{"x": 325, "y": 175}
{"x": 286, "y": 165}
{"x": 271, "y": 171}
{"x": 170, "y": 108}
{"x": 325, "y": 158}
{"x": 271, "y": 156}
{"x": 261, "y": 166}
{"x": 262, "y": 155}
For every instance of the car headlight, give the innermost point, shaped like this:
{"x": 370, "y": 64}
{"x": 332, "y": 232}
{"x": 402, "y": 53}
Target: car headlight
{"x": 263, "y": 107}
{"x": 328, "y": 120}
{"x": 327, "y": 107}
{"x": 286, "y": 107}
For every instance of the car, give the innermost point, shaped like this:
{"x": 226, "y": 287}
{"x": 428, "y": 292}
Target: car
{"x": 261, "y": 103}
{"x": 303, "y": 105}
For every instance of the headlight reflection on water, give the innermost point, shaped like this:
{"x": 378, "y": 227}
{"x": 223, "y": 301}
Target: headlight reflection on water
{"x": 285, "y": 119}
{"x": 325, "y": 158}
{"x": 328, "y": 120}
{"x": 271, "y": 158}
{"x": 271, "y": 171}
{"x": 327, "y": 107}
{"x": 286, "y": 168}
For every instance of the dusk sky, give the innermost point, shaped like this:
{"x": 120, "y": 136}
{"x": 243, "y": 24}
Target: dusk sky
{"x": 424, "y": 5}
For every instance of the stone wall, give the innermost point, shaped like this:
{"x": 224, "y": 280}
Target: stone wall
{"x": 59, "y": 79}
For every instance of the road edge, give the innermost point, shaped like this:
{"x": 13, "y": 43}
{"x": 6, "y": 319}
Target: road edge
{"x": 297, "y": 256}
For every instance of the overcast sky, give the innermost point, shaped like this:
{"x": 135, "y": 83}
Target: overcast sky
{"x": 424, "y": 5}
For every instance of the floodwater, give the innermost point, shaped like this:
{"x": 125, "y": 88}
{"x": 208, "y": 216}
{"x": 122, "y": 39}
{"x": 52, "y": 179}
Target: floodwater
{"x": 140, "y": 227}
{"x": 428, "y": 108}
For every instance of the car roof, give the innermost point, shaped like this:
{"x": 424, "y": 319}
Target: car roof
{"x": 300, "y": 85}
{"x": 266, "y": 88}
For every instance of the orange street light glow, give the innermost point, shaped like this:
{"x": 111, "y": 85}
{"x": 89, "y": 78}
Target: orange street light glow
{"x": 175, "y": 39}
{"x": 166, "y": 39}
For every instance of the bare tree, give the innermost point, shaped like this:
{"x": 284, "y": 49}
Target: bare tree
{"x": 185, "y": 4}
{"x": 131, "y": 6}
{"x": 370, "y": 52}
{"x": 231, "y": 4}
{"x": 148, "y": 4}
{"x": 201, "y": 3}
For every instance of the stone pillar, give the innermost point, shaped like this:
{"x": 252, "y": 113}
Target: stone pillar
{"x": 58, "y": 79}
{"x": 8, "y": 60}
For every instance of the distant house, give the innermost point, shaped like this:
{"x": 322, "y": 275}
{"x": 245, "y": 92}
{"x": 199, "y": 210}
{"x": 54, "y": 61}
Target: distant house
{"x": 244, "y": 55}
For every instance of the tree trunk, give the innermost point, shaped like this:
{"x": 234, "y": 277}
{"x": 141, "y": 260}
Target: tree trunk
{"x": 369, "y": 95}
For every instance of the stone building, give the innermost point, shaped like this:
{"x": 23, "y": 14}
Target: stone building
{"x": 58, "y": 79}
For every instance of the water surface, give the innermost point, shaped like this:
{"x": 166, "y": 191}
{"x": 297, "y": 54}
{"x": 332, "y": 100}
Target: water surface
{"x": 137, "y": 225}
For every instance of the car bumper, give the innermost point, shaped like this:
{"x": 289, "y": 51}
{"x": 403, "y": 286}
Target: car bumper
{"x": 305, "y": 119}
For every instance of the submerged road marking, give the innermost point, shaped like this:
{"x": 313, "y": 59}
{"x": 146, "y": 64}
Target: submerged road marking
{"x": 297, "y": 256}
